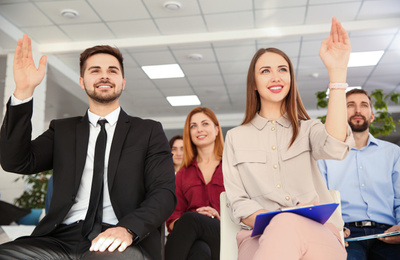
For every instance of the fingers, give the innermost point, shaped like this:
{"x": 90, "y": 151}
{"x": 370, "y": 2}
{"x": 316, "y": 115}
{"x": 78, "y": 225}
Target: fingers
{"x": 334, "y": 30}
{"x": 112, "y": 239}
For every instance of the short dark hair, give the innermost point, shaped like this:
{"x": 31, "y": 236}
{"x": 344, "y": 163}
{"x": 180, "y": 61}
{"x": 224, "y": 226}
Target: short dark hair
{"x": 173, "y": 139}
{"x": 101, "y": 49}
{"x": 360, "y": 91}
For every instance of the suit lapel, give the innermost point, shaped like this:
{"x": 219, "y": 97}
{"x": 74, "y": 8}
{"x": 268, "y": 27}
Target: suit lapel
{"x": 82, "y": 141}
{"x": 121, "y": 130}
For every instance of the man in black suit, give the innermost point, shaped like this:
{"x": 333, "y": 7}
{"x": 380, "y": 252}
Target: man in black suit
{"x": 137, "y": 185}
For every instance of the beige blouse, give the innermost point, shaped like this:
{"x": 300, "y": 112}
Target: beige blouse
{"x": 261, "y": 172}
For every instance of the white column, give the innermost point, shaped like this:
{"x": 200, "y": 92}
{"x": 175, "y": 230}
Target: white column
{"x": 8, "y": 188}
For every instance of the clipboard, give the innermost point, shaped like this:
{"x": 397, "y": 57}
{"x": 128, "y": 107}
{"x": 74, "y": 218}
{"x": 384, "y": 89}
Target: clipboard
{"x": 394, "y": 233}
{"x": 320, "y": 213}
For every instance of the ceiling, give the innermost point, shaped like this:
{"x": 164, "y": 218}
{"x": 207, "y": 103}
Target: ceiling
{"x": 225, "y": 32}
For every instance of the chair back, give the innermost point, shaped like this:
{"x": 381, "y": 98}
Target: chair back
{"x": 229, "y": 230}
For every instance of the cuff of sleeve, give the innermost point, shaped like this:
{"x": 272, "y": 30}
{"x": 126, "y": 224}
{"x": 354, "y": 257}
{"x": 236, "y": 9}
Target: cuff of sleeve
{"x": 15, "y": 101}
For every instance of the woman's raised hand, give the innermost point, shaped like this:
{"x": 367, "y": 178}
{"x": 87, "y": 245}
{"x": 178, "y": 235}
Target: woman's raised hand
{"x": 26, "y": 75}
{"x": 335, "y": 52}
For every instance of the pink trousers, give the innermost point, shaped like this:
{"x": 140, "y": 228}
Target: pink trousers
{"x": 290, "y": 236}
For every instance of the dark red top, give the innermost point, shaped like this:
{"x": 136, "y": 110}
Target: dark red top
{"x": 192, "y": 192}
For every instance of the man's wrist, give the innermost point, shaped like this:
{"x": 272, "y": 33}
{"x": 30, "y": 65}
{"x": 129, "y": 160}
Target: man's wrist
{"x": 135, "y": 237}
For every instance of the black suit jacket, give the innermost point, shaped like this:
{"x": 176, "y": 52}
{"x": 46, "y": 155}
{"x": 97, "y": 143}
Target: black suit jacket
{"x": 141, "y": 177}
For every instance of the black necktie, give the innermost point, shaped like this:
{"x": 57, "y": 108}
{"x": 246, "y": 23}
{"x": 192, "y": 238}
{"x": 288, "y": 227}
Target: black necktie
{"x": 94, "y": 216}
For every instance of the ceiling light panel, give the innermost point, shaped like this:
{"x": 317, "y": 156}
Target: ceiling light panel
{"x": 166, "y": 71}
{"x": 190, "y": 100}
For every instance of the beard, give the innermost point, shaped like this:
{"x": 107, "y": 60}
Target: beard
{"x": 359, "y": 128}
{"x": 101, "y": 98}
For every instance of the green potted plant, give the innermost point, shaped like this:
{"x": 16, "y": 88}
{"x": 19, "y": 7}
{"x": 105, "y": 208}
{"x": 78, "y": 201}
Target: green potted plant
{"x": 384, "y": 123}
{"x": 34, "y": 196}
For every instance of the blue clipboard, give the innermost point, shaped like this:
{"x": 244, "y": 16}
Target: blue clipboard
{"x": 320, "y": 213}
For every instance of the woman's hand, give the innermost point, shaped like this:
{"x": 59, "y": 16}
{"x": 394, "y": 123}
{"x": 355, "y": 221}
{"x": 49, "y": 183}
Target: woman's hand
{"x": 26, "y": 75}
{"x": 209, "y": 211}
{"x": 335, "y": 52}
{"x": 250, "y": 220}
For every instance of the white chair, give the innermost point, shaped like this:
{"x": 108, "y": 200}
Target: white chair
{"x": 229, "y": 229}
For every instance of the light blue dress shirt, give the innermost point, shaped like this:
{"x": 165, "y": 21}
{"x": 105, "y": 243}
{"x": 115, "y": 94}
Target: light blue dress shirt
{"x": 369, "y": 182}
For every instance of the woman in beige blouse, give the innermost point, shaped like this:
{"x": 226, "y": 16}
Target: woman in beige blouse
{"x": 269, "y": 162}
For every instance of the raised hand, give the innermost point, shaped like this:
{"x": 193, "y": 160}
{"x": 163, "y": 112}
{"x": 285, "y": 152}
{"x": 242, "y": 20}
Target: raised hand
{"x": 26, "y": 75}
{"x": 335, "y": 52}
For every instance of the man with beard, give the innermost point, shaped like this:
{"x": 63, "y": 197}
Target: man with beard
{"x": 113, "y": 174}
{"x": 369, "y": 183}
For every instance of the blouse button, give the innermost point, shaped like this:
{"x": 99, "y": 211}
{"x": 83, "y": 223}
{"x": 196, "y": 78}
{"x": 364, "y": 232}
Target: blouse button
{"x": 275, "y": 166}
{"x": 273, "y": 147}
{"x": 272, "y": 128}
{"x": 287, "y": 198}
{"x": 278, "y": 186}
{"x": 273, "y": 121}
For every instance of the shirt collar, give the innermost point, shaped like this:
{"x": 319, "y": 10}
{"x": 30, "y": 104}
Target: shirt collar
{"x": 260, "y": 122}
{"x": 111, "y": 118}
{"x": 372, "y": 140}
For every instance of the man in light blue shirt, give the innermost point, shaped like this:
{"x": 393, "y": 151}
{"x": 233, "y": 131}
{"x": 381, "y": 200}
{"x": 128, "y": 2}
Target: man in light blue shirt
{"x": 369, "y": 183}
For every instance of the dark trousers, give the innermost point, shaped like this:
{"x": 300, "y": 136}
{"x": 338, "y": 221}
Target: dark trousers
{"x": 66, "y": 242}
{"x": 372, "y": 249}
{"x": 195, "y": 237}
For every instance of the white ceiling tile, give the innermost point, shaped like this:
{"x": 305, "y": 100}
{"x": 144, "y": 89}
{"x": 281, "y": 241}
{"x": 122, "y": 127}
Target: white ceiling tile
{"x": 173, "y": 83}
{"x": 185, "y": 46}
{"x": 205, "y": 80}
{"x": 235, "y": 80}
{"x": 212, "y": 91}
{"x": 177, "y": 91}
{"x": 395, "y": 45}
{"x": 192, "y": 24}
{"x": 31, "y": 16}
{"x": 379, "y": 9}
{"x": 262, "y": 4}
{"x": 309, "y": 48}
{"x": 359, "y": 71}
{"x": 385, "y": 69}
{"x": 229, "y": 21}
{"x": 154, "y": 58}
{"x": 234, "y": 42}
{"x": 119, "y": 10}
{"x": 87, "y": 32}
{"x": 239, "y": 67}
{"x": 323, "y": 13}
{"x": 46, "y": 34}
{"x": 291, "y": 49}
{"x": 273, "y": 17}
{"x": 135, "y": 73}
{"x": 239, "y": 53}
{"x": 204, "y": 69}
{"x": 222, "y": 6}
{"x": 128, "y": 29}
{"x": 53, "y": 10}
{"x": 183, "y": 55}
{"x": 370, "y": 43}
{"x": 157, "y": 10}
{"x": 390, "y": 57}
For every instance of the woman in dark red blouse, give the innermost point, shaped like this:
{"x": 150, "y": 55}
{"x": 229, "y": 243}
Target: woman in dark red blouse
{"x": 194, "y": 225}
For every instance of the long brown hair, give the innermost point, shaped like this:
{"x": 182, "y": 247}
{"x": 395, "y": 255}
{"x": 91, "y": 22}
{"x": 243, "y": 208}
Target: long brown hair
{"x": 189, "y": 148}
{"x": 292, "y": 104}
